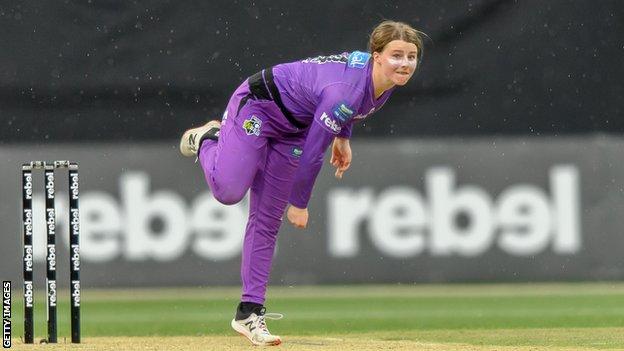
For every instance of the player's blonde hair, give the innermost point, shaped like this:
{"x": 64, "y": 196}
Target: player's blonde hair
{"x": 388, "y": 31}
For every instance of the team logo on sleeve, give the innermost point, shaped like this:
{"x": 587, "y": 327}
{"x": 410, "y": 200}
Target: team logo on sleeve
{"x": 358, "y": 59}
{"x": 343, "y": 112}
{"x": 330, "y": 123}
{"x": 252, "y": 126}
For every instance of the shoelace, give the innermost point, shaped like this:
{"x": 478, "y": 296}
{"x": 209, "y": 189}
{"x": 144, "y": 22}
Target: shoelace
{"x": 261, "y": 320}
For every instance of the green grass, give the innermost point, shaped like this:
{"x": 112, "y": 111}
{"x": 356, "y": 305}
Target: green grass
{"x": 524, "y": 314}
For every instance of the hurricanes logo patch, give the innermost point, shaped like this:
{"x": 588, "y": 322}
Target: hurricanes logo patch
{"x": 252, "y": 126}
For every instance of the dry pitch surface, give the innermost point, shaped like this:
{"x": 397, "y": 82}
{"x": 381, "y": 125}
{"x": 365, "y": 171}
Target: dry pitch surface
{"x": 601, "y": 338}
{"x": 232, "y": 343}
{"x": 426, "y": 317}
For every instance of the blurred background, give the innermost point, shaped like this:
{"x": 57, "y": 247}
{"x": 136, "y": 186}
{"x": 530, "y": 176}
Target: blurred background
{"x": 499, "y": 161}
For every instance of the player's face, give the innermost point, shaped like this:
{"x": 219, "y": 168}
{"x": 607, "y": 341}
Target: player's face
{"x": 398, "y": 61}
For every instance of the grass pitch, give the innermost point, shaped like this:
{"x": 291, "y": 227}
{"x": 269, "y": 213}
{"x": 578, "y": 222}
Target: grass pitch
{"x": 575, "y": 316}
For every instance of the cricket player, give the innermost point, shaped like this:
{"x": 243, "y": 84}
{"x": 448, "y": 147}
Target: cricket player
{"x": 272, "y": 138}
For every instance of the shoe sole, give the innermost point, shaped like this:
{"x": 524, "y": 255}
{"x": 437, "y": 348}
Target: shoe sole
{"x": 183, "y": 147}
{"x": 245, "y": 333}
{"x": 185, "y": 136}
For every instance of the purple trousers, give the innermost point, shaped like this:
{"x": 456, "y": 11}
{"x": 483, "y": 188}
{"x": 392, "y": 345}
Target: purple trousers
{"x": 258, "y": 150}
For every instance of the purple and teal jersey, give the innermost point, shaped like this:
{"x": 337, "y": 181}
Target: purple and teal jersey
{"x": 329, "y": 93}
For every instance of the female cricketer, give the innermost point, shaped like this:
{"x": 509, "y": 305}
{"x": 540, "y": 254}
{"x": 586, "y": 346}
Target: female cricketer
{"x": 272, "y": 139}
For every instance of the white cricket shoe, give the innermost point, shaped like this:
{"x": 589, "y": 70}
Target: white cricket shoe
{"x": 255, "y": 329}
{"x": 189, "y": 144}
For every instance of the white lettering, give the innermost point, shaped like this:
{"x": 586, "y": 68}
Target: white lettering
{"x": 219, "y": 228}
{"x": 51, "y": 257}
{"x": 28, "y": 257}
{"x": 76, "y": 293}
{"x": 28, "y": 293}
{"x": 345, "y": 222}
{"x": 75, "y": 258}
{"x": 101, "y": 238}
{"x": 166, "y": 243}
{"x": 398, "y": 226}
{"x": 330, "y": 123}
{"x": 451, "y": 220}
{"x": 462, "y": 221}
{"x": 158, "y": 226}
{"x": 75, "y": 222}
{"x": 564, "y": 183}
{"x": 51, "y": 221}
{"x": 52, "y": 293}
{"x": 473, "y": 237}
{"x": 28, "y": 185}
{"x": 28, "y": 222}
{"x": 50, "y": 185}
{"x": 524, "y": 218}
{"x": 74, "y": 186}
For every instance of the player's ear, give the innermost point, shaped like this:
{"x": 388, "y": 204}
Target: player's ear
{"x": 377, "y": 57}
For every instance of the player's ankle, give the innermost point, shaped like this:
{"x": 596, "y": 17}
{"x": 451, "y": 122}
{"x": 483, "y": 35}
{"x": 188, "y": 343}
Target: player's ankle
{"x": 245, "y": 309}
{"x": 211, "y": 134}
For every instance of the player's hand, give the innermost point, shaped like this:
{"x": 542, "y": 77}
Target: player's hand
{"x": 297, "y": 216}
{"x": 341, "y": 156}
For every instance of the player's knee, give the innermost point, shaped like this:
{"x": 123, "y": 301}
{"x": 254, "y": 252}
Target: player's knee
{"x": 229, "y": 197}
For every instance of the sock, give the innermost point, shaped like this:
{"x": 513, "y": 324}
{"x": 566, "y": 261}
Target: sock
{"x": 245, "y": 309}
{"x": 211, "y": 134}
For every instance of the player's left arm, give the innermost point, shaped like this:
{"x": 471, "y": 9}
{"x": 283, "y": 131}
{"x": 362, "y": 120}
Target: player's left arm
{"x": 341, "y": 156}
{"x": 332, "y": 115}
{"x": 343, "y": 112}
{"x": 341, "y": 150}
